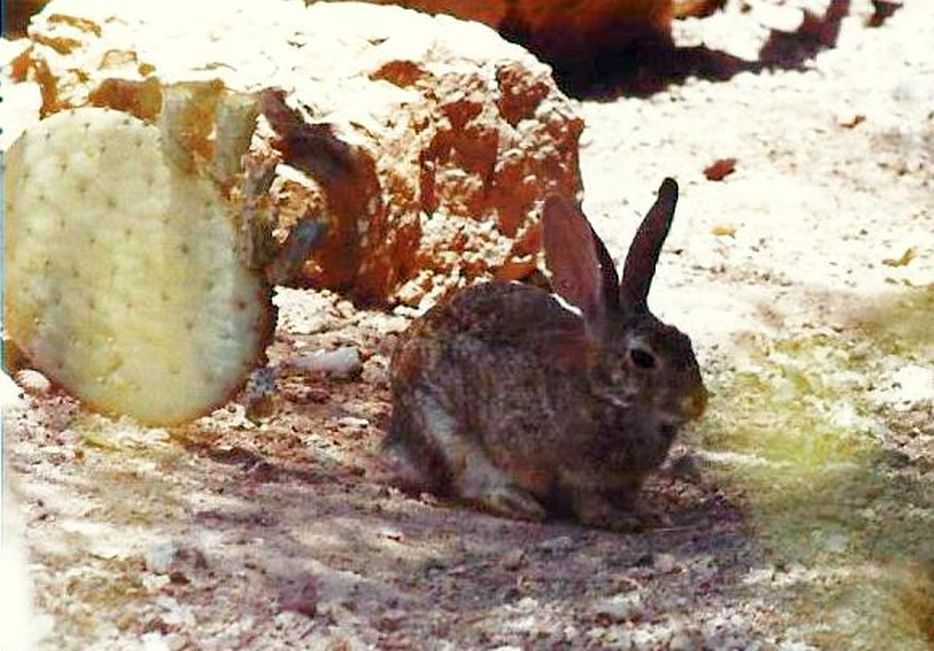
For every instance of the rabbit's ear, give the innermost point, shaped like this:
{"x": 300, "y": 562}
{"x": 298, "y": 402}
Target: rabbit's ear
{"x": 645, "y": 248}
{"x": 573, "y": 258}
{"x": 608, "y": 270}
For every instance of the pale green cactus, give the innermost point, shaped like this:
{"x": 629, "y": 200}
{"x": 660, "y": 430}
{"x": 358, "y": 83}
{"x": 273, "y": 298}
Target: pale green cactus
{"x": 125, "y": 279}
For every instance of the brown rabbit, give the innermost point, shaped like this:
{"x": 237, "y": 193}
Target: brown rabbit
{"x": 506, "y": 396}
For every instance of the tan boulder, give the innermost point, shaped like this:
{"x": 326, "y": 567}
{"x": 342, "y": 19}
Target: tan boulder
{"x": 575, "y": 37}
{"x": 572, "y": 36}
{"x": 536, "y": 14}
{"x": 426, "y": 143}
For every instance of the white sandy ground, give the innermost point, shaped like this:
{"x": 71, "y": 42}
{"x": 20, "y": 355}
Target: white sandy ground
{"x": 283, "y": 534}
{"x": 19, "y": 630}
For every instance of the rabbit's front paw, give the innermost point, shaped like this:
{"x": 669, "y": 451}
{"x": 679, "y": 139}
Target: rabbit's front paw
{"x": 513, "y": 502}
{"x": 596, "y": 510}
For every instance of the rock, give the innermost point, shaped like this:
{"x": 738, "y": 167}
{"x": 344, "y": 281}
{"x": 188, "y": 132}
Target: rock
{"x": 620, "y": 608}
{"x": 299, "y": 594}
{"x": 352, "y": 422}
{"x": 302, "y": 312}
{"x": 684, "y": 637}
{"x": 16, "y": 15}
{"x": 508, "y": 17}
{"x": 664, "y": 563}
{"x": 178, "y": 561}
{"x": 566, "y": 34}
{"x": 33, "y": 382}
{"x": 513, "y": 559}
{"x": 559, "y": 545}
{"x": 720, "y": 169}
{"x": 342, "y": 362}
{"x": 426, "y": 144}
{"x": 849, "y": 118}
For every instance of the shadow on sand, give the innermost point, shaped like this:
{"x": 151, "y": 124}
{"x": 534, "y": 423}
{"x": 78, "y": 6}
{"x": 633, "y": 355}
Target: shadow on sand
{"x": 650, "y": 65}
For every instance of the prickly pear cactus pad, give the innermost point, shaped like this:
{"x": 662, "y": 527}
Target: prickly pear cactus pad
{"x": 122, "y": 278}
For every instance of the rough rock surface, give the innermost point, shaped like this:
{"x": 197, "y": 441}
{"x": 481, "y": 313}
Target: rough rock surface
{"x": 493, "y": 13}
{"x": 442, "y": 137}
{"x": 564, "y": 33}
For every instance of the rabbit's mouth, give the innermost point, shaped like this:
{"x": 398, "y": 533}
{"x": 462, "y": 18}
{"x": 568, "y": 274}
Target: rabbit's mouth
{"x": 690, "y": 407}
{"x": 674, "y": 416}
{"x": 696, "y": 404}
{"x": 668, "y": 430}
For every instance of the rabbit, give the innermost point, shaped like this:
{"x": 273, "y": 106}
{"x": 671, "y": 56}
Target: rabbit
{"x": 531, "y": 404}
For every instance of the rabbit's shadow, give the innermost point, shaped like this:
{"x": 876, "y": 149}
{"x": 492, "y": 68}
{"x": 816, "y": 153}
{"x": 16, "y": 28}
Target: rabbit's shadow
{"x": 377, "y": 546}
{"x": 681, "y": 502}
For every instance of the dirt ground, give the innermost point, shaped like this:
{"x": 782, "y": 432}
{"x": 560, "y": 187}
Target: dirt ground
{"x": 801, "y": 509}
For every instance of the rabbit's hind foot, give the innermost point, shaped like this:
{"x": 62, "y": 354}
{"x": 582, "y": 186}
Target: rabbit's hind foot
{"x": 512, "y": 502}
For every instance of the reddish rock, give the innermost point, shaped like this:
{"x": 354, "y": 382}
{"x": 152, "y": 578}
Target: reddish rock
{"x": 570, "y": 35}
{"x": 575, "y": 37}
{"x": 16, "y": 14}
{"x": 720, "y": 169}
{"x": 685, "y": 8}
{"x": 433, "y": 140}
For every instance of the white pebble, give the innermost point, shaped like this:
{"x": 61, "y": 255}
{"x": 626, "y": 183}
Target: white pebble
{"x": 664, "y": 563}
{"x": 622, "y": 607}
{"x": 341, "y": 362}
{"x": 33, "y": 382}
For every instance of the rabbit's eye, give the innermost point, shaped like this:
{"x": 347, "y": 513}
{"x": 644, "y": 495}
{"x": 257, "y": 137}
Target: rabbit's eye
{"x": 642, "y": 358}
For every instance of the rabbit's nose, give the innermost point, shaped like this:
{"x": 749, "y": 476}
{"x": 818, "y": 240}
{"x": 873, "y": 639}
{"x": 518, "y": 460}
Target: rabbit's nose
{"x": 694, "y": 404}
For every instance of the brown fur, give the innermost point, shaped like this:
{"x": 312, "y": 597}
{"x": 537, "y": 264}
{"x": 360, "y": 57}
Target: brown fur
{"x": 505, "y": 397}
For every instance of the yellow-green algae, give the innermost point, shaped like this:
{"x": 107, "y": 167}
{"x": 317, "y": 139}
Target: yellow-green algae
{"x": 847, "y": 519}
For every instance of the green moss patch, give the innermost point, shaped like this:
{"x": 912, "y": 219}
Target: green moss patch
{"x": 828, "y": 435}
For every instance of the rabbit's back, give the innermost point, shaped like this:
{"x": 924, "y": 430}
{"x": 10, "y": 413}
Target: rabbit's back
{"x": 500, "y": 312}
{"x": 486, "y": 359}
